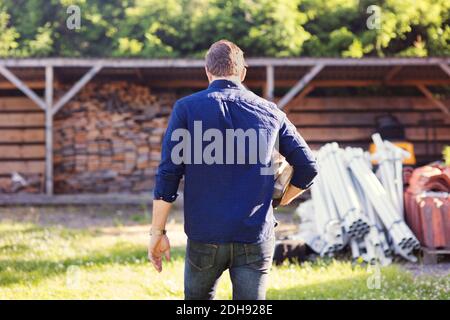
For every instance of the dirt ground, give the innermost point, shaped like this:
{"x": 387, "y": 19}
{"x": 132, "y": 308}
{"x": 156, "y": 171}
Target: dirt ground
{"x": 115, "y": 219}
{"x": 134, "y": 220}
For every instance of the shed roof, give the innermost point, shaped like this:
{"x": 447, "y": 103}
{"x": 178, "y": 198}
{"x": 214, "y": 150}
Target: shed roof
{"x": 287, "y": 71}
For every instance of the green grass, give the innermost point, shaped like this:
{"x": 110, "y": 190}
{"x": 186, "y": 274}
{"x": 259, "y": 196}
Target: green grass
{"x": 58, "y": 263}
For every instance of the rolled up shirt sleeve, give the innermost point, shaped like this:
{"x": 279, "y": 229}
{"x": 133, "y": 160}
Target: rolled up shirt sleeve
{"x": 298, "y": 154}
{"x": 169, "y": 172}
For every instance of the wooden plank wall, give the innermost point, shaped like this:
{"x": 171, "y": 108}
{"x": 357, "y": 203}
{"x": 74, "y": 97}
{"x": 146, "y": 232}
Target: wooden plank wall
{"x": 351, "y": 121}
{"x": 22, "y": 138}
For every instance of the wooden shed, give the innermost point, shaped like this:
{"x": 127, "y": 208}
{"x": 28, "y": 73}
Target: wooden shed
{"x": 46, "y": 130}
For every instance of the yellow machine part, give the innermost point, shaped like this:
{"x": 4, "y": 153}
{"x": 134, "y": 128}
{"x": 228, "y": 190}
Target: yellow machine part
{"x": 408, "y": 146}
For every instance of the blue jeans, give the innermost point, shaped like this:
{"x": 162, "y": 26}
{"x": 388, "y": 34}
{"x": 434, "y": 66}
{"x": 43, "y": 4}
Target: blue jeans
{"x": 248, "y": 265}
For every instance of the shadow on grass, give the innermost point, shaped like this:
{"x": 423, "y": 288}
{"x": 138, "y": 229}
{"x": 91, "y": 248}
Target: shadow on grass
{"x": 347, "y": 288}
{"x": 14, "y": 248}
{"x": 34, "y": 271}
{"x": 26, "y": 230}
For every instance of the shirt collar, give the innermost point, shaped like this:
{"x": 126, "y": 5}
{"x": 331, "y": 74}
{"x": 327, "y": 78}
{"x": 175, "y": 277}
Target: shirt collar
{"x": 222, "y": 84}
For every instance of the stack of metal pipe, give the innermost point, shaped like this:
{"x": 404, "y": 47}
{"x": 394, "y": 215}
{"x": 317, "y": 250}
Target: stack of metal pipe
{"x": 374, "y": 246}
{"x": 326, "y": 219}
{"x": 353, "y": 206}
{"x": 403, "y": 240}
{"x": 343, "y": 194}
{"x": 390, "y": 171}
{"x": 308, "y": 232}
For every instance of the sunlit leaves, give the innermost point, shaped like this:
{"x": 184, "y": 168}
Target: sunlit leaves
{"x": 186, "y": 28}
{"x": 8, "y": 36}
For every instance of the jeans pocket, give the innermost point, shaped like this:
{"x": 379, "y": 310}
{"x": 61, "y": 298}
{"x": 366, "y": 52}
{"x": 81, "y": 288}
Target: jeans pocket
{"x": 201, "y": 255}
{"x": 260, "y": 255}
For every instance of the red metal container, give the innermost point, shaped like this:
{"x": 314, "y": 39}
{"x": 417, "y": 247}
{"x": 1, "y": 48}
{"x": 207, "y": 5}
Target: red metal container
{"x": 429, "y": 218}
{"x": 427, "y": 206}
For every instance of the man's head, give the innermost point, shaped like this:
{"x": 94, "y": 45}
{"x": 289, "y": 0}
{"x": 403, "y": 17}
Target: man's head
{"x": 225, "y": 60}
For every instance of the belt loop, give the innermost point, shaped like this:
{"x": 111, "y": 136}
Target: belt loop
{"x": 231, "y": 254}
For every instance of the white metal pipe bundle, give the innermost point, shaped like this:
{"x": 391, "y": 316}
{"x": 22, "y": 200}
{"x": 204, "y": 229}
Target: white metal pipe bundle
{"x": 375, "y": 242}
{"x": 404, "y": 241}
{"x": 398, "y": 156}
{"x": 355, "y": 249}
{"x": 351, "y": 205}
{"x": 327, "y": 221}
{"x": 390, "y": 159}
{"x": 334, "y": 171}
{"x": 384, "y": 158}
{"x": 308, "y": 227}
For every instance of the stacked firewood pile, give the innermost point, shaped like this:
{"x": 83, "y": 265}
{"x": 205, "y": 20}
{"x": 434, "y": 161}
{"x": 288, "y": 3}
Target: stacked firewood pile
{"x": 108, "y": 139}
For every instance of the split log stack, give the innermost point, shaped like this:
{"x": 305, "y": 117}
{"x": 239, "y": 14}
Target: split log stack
{"x": 108, "y": 139}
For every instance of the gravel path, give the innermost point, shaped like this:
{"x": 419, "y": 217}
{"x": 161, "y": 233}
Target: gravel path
{"x": 441, "y": 269}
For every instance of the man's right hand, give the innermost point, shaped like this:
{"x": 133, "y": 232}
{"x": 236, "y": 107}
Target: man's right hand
{"x": 159, "y": 245}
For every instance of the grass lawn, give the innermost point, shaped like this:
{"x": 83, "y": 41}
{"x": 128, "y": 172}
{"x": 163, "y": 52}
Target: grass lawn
{"x": 59, "y": 263}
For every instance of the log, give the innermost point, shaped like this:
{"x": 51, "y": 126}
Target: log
{"x": 108, "y": 137}
{"x": 18, "y": 104}
{"x": 22, "y": 120}
{"x": 26, "y": 166}
{"x": 349, "y": 118}
{"x": 362, "y": 133}
{"x": 22, "y": 151}
{"x": 363, "y": 104}
{"x": 22, "y": 135}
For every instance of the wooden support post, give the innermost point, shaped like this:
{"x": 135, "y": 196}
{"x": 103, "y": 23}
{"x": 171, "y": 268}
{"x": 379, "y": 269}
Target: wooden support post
{"x": 270, "y": 82}
{"x": 76, "y": 87}
{"x": 22, "y": 87}
{"x": 49, "y": 130}
{"x": 445, "y": 68}
{"x": 139, "y": 74}
{"x": 427, "y": 93}
{"x": 392, "y": 73}
{"x": 300, "y": 85}
{"x": 310, "y": 87}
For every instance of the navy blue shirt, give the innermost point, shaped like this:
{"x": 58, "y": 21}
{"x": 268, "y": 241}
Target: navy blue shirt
{"x": 228, "y": 201}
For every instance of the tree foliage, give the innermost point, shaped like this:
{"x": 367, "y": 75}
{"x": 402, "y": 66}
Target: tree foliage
{"x": 186, "y": 28}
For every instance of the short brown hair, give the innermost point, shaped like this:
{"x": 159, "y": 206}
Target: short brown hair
{"x": 224, "y": 59}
